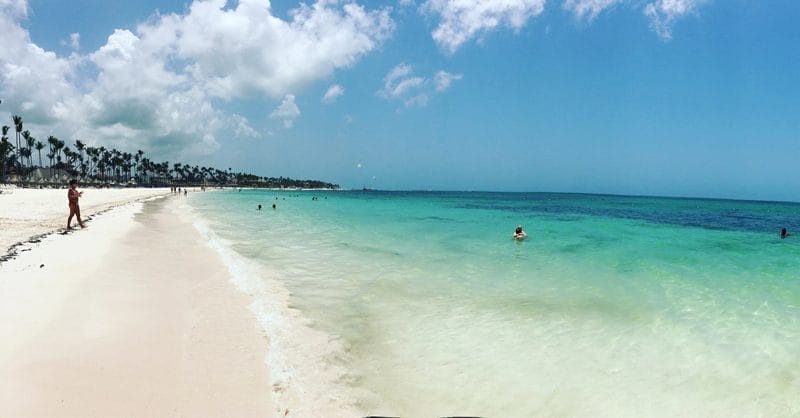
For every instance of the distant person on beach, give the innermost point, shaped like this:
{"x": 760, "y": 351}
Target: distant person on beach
{"x": 784, "y": 233}
{"x": 259, "y": 207}
{"x": 74, "y": 209}
{"x": 185, "y": 192}
{"x": 519, "y": 233}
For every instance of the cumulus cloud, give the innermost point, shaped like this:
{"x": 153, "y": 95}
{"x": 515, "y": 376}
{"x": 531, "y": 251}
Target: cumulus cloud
{"x": 34, "y": 80}
{"x": 333, "y": 93}
{"x": 463, "y": 20}
{"x": 155, "y": 86}
{"x": 588, "y": 9}
{"x": 401, "y": 83}
{"x": 287, "y": 111}
{"x": 664, "y": 13}
{"x": 14, "y": 9}
{"x": 245, "y": 49}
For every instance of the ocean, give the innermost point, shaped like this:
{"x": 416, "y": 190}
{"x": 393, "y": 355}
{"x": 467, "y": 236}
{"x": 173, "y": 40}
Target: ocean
{"x": 421, "y": 303}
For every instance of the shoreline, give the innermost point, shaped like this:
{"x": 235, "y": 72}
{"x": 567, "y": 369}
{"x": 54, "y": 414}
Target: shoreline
{"x": 136, "y": 315}
{"x": 307, "y": 376}
{"x": 29, "y": 215}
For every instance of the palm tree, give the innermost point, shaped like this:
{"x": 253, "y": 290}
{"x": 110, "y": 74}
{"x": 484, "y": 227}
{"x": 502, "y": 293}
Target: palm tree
{"x": 80, "y": 146}
{"x": 39, "y": 146}
{"x": 58, "y": 146}
{"x": 105, "y": 159}
{"x": 29, "y": 141}
{"x": 94, "y": 153}
{"x": 70, "y": 158}
{"x": 127, "y": 163}
{"x": 25, "y": 153}
{"x": 101, "y": 165}
{"x": 32, "y": 145}
{"x": 116, "y": 164}
{"x": 18, "y": 127}
{"x": 53, "y": 142}
{"x": 6, "y": 150}
{"x": 138, "y": 158}
{"x": 177, "y": 169}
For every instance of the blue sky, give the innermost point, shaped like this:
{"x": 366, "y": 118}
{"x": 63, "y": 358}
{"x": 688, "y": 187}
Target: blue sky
{"x": 659, "y": 97}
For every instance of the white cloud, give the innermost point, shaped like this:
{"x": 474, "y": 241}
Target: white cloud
{"x": 420, "y": 100}
{"x": 242, "y": 127}
{"x": 238, "y": 51}
{"x": 287, "y": 111}
{"x": 73, "y": 42}
{"x": 443, "y": 79}
{"x": 588, "y": 9}
{"x": 406, "y": 85}
{"x": 333, "y": 93}
{"x": 14, "y": 9}
{"x": 463, "y": 20}
{"x": 399, "y": 71}
{"x": 154, "y": 87}
{"x": 664, "y": 13}
{"x": 401, "y": 83}
{"x": 31, "y": 78}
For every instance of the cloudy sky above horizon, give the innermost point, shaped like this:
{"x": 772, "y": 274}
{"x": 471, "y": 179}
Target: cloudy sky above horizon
{"x": 666, "y": 97}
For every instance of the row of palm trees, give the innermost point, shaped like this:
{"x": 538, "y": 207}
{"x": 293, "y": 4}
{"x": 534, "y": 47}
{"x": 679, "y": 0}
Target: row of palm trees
{"x": 110, "y": 165}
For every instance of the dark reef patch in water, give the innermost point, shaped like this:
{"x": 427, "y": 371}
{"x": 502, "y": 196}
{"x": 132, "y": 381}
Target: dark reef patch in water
{"x": 691, "y": 213}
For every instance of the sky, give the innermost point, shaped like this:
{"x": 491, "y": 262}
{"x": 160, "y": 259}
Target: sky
{"x": 649, "y": 97}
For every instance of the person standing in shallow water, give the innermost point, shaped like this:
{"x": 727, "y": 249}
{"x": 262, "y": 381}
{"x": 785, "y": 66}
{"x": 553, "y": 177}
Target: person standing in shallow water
{"x": 74, "y": 208}
{"x": 784, "y": 233}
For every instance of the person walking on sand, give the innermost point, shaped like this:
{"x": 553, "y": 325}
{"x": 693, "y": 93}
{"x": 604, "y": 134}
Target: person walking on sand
{"x": 74, "y": 209}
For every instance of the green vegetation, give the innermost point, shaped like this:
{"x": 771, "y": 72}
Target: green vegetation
{"x": 109, "y": 166}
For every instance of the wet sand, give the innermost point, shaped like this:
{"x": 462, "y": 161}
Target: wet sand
{"x": 134, "y": 316}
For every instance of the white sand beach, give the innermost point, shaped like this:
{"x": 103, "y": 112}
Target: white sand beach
{"x": 25, "y": 213}
{"x": 133, "y": 316}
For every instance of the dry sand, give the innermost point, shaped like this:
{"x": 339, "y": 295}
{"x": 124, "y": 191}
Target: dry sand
{"x": 134, "y": 316}
{"x": 25, "y": 213}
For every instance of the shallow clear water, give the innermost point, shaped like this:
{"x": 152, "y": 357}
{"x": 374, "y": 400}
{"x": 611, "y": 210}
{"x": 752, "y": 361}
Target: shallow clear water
{"x": 613, "y": 306}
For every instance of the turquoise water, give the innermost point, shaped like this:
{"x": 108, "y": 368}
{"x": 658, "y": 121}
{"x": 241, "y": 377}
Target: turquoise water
{"x": 613, "y": 305}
